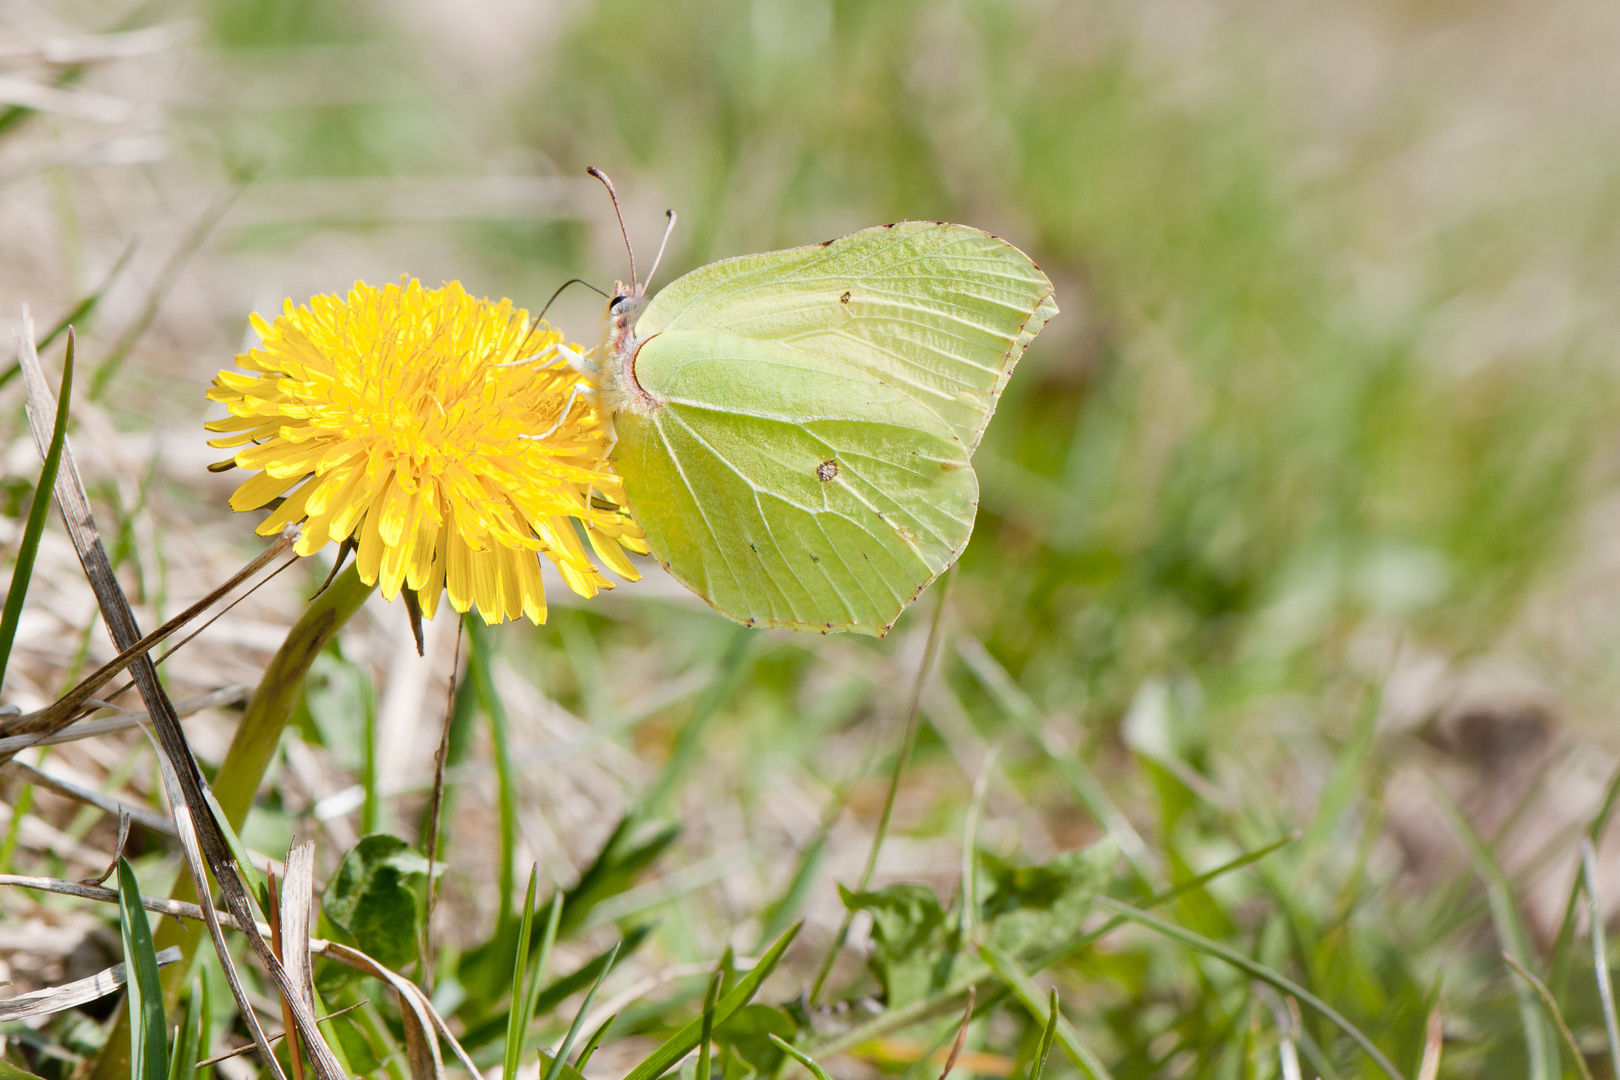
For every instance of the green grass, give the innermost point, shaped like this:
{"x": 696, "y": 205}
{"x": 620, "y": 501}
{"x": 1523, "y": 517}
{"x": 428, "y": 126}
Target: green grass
{"x": 1295, "y": 427}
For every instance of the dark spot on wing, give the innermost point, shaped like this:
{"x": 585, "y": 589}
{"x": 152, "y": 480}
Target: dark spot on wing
{"x": 949, "y": 466}
{"x": 931, "y": 221}
{"x": 826, "y": 243}
{"x": 827, "y": 470}
{"x": 814, "y": 559}
{"x": 891, "y": 224}
{"x": 845, "y": 298}
{"x": 752, "y": 548}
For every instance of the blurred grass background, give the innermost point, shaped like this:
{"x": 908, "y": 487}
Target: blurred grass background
{"x": 1301, "y": 514}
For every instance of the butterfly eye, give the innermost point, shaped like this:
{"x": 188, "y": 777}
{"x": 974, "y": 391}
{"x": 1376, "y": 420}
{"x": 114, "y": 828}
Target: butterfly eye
{"x": 617, "y": 305}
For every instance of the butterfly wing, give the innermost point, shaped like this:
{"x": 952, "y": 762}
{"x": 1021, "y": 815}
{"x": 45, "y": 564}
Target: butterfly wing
{"x": 940, "y": 311}
{"x": 808, "y": 463}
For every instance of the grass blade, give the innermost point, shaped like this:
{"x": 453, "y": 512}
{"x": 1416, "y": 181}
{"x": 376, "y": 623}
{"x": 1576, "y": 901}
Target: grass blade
{"x": 256, "y": 880}
{"x": 1539, "y": 1047}
{"x": 554, "y": 1070}
{"x": 516, "y": 1021}
{"x": 592, "y": 1043}
{"x": 1043, "y": 1049}
{"x": 907, "y": 741}
{"x": 1552, "y": 1009}
{"x": 1257, "y": 970}
{"x": 167, "y": 276}
{"x": 84, "y": 308}
{"x": 689, "y": 743}
{"x": 192, "y": 1038}
{"x": 531, "y": 1001}
{"x": 681, "y": 1043}
{"x": 801, "y": 1057}
{"x": 1024, "y": 990}
{"x": 148, "y": 1034}
{"x": 57, "y": 999}
{"x": 23, "y": 571}
{"x": 1090, "y": 791}
{"x": 1600, "y": 953}
{"x": 707, "y": 1035}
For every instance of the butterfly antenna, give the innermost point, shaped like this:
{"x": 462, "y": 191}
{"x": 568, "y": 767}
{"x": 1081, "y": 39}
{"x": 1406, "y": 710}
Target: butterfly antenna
{"x": 559, "y": 292}
{"x": 614, "y": 195}
{"x": 662, "y": 244}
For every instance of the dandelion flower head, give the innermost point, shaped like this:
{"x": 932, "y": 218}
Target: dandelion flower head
{"x": 446, "y": 439}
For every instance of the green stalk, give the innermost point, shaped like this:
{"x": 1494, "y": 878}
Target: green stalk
{"x": 252, "y": 747}
{"x": 368, "y": 754}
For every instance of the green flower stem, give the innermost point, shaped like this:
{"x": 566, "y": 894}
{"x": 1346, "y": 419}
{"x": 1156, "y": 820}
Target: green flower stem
{"x": 251, "y": 750}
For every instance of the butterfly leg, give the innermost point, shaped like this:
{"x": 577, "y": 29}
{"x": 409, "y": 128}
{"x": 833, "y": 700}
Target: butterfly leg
{"x": 568, "y": 407}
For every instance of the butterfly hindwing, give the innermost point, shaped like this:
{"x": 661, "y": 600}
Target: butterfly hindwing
{"x": 792, "y": 492}
{"x": 807, "y": 463}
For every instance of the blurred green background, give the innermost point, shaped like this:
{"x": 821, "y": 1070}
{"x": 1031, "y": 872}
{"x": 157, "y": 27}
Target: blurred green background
{"x": 1299, "y": 516}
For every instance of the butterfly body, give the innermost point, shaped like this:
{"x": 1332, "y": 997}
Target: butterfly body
{"x": 795, "y": 429}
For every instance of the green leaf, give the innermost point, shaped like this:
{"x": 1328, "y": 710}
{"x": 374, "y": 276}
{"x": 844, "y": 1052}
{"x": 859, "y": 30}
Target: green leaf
{"x": 749, "y": 1033}
{"x": 378, "y": 896}
{"x": 8, "y": 1071}
{"x": 681, "y": 1043}
{"x": 148, "y": 1035}
{"x": 1035, "y": 907}
{"x": 915, "y": 946}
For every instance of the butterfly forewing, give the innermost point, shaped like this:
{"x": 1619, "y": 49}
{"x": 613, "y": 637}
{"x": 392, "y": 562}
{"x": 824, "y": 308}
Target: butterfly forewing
{"x": 806, "y": 464}
{"x": 942, "y": 312}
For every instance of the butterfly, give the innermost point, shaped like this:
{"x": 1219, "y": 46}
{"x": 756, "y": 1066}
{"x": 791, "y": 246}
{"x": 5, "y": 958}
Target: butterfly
{"x": 795, "y": 429}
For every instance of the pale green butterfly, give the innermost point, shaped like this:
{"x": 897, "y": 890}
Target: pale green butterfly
{"x": 794, "y": 429}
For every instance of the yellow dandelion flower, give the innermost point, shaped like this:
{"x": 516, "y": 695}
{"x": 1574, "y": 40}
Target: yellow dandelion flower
{"x": 447, "y": 439}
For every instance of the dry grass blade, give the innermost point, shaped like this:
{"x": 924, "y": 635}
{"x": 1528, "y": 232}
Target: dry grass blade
{"x": 27, "y": 774}
{"x": 1434, "y": 1038}
{"x": 199, "y": 832}
{"x": 297, "y": 904}
{"x": 961, "y": 1033}
{"x": 422, "y": 1021}
{"x": 78, "y": 992}
{"x": 89, "y": 729}
{"x": 65, "y": 709}
{"x": 440, "y": 759}
{"x": 118, "y": 851}
{"x": 166, "y": 278}
{"x": 276, "y": 1037}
